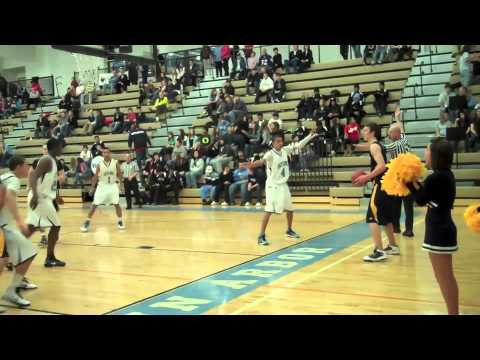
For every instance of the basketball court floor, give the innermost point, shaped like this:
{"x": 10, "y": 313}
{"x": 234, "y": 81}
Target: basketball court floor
{"x": 194, "y": 260}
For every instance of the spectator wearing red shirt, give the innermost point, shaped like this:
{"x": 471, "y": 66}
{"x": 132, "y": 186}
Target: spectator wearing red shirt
{"x": 225, "y": 54}
{"x": 35, "y": 92}
{"x": 131, "y": 119}
{"x": 352, "y": 135}
{"x": 247, "y": 50}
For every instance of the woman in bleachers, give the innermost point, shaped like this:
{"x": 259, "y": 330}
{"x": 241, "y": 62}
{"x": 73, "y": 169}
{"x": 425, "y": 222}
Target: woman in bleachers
{"x": 197, "y": 164}
{"x": 35, "y": 93}
{"x": 307, "y": 56}
{"x": 82, "y": 172}
{"x": 225, "y": 54}
{"x": 118, "y": 121}
{"x": 305, "y": 107}
{"x": 252, "y": 61}
{"x": 473, "y": 132}
{"x": 334, "y": 111}
{"x": 368, "y": 53}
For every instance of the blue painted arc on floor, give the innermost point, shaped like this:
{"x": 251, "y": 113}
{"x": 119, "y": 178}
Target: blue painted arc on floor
{"x": 202, "y": 295}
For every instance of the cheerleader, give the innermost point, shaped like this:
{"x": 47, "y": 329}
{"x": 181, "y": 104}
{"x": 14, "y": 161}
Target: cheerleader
{"x": 438, "y": 194}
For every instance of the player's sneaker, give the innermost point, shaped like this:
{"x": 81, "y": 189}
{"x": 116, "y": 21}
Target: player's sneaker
{"x": 262, "y": 240}
{"x": 27, "y": 285}
{"x": 377, "y": 255}
{"x": 43, "y": 241}
{"x": 392, "y": 250}
{"x": 16, "y": 299}
{"x": 224, "y": 203}
{"x": 86, "y": 226}
{"x": 120, "y": 225}
{"x": 408, "y": 234}
{"x": 54, "y": 263}
{"x": 214, "y": 203}
{"x": 247, "y": 204}
{"x": 258, "y": 204}
{"x": 292, "y": 234}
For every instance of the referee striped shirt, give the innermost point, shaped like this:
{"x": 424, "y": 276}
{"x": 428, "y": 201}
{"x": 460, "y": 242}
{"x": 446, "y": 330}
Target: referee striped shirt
{"x": 128, "y": 169}
{"x": 398, "y": 147}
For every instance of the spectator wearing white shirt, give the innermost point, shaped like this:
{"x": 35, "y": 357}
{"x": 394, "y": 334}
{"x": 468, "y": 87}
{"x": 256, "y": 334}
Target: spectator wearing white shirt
{"x": 265, "y": 88}
{"x": 275, "y": 118}
{"x": 85, "y": 154}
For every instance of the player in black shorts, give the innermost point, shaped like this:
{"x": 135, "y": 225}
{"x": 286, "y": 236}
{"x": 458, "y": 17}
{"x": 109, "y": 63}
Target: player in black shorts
{"x": 438, "y": 194}
{"x": 381, "y": 207}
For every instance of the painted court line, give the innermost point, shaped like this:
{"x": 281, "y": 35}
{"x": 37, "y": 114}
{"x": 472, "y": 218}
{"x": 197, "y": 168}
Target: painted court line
{"x": 207, "y": 293}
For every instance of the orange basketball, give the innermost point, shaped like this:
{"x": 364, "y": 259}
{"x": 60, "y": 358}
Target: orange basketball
{"x": 356, "y": 174}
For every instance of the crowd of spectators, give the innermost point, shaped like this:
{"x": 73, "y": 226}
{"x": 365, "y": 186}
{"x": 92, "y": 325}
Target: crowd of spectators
{"x": 378, "y": 54}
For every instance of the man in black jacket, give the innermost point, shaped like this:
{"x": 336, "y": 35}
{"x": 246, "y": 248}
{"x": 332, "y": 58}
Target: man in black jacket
{"x": 228, "y": 88}
{"x": 139, "y": 141}
{"x": 277, "y": 60}
{"x": 381, "y": 99}
{"x": 295, "y": 60}
{"x": 253, "y": 80}
{"x": 265, "y": 60}
{"x": 279, "y": 88}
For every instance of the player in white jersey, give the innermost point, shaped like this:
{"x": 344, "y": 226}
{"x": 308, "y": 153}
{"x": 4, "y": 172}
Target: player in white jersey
{"x": 108, "y": 175}
{"x": 21, "y": 251}
{"x": 43, "y": 197}
{"x": 277, "y": 193}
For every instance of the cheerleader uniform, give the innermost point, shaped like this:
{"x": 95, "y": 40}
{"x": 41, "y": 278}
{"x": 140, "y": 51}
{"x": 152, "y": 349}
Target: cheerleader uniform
{"x": 381, "y": 206}
{"x": 438, "y": 194}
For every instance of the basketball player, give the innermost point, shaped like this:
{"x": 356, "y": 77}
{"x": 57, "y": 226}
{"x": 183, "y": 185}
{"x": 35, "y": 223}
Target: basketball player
{"x": 277, "y": 193}
{"x": 20, "y": 250}
{"x": 42, "y": 198}
{"x": 108, "y": 175}
{"x": 43, "y": 239}
{"x": 380, "y": 209}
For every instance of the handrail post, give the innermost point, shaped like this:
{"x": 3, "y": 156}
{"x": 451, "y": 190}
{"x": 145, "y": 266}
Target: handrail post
{"x": 318, "y": 46}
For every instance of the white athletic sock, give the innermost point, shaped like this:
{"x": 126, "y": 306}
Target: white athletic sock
{"x": 16, "y": 281}
{"x": 119, "y": 219}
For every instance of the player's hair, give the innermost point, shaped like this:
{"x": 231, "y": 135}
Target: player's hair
{"x": 277, "y": 135}
{"x": 15, "y": 161}
{"x": 106, "y": 148}
{"x": 442, "y": 154}
{"x": 375, "y": 128}
{"x": 53, "y": 143}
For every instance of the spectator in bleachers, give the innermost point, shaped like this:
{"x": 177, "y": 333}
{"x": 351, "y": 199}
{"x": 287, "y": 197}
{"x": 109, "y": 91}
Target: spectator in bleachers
{"x": 226, "y": 54}
{"x": 300, "y": 131}
{"x": 321, "y": 110}
{"x": 97, "y": 147}
{"x": 152, "y": 92}
{"x": 228, "y": 105}
{"x": 139, "y": 141}
{"x": 337, "y": 136}
{"x": 471, "y": 101}
{"x": 295, "y": 63}
{"x": 265, "y": 88}
{"x": 72, "y": 118}
{"x": 85, "y": 154}
{"x": 63, "y": 125}
{"x": 191, "y": 73}
{"x": 442, "y": 125}
{"x": 357, "y": 53}
{"x": 181, "y": 168}
{"x": 223, "y": 125}
{"x": 35, "y": 92}
{"x": 275, "y": 119}
{"x": 207, "y": 60}
{"x": 43, "y": 127}
{"x": 239, "y": 66}
{"x": 118, "y": 121}
{"x": 305, "y": 107}
{"x": 94, "y": 123}
{"x": 368, "y": 53}
{"x": 307, "y": 57}
{"x": 211, "y": 107}
{"x": 265, "y": 60}
{"x": 379, "y": 54}
{"x": 352, "y": 136}
{"x": 394, "y": 53}
{"x": 142, "y": 94}
{"x": 217, "y": 58}
{"x": 192, "y": 139}
{"x": 252, "y": 82}
{"x": 355, "y": 102}
{"x": 178, "y": 151}
{"x": 252, "y": 61}
{"x": 277, "y": 60}
{"x": 207, "y": 189}
{"x": 228, "y": 88}
{"x": 241, "y": 138}
{"x": 298, "y": 160}
{"x": 122, "y": 83}
{"x": 224, "y": 181}
{"x": 279, "y": 88}
{"x": 161, "y": 105}
{"x": 130, "y": 120}
{"x": 225, "y": 155}
{"x": 473, "y": 132}
{"x": 82, "y": 172}
{"x": 463, "y": 123}
{"x": 239, "y": 110}
{"x": 240, "y": 183}
{"x": 334, "y": 111}
{"x": 182, "y": 136}
{"x": 247, "y": 50}
{"x": 254, "y": 186}
{"x": 381, "y": 99}
{"x": 197, "y": 165}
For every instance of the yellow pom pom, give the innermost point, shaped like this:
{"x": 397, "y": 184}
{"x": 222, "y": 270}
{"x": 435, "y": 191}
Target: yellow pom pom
{"x": 472, "y": 218}
{"x": 404, "y": 169}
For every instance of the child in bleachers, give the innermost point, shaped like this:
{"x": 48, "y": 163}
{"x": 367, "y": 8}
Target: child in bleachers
{"x": 131, "y": 119}
{"x": 207, "y": 189}
{"x": 224, "y": 181}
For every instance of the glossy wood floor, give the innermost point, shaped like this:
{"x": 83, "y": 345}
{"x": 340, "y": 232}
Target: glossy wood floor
{"x": 106, "y": 269}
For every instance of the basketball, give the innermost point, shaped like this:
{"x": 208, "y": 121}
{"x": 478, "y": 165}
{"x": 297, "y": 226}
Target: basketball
{"x": 357, "y": 174}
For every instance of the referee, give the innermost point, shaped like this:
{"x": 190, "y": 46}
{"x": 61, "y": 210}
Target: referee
{"x": 399, "y": 145}
{"x": 130, "y": 172}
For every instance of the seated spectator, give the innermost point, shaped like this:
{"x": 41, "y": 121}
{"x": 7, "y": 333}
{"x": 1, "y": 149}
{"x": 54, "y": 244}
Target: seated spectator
{"x": 276, "y": 119}
{"x": 44, "y": 126}
{"x": 152, "y": 92}
{"x": 321, "y": 110}
{"x": 118, "y": 121}
{"x": 334, "y": 111}
{"x": 122, "y": 83}
{"x": 238, "y": 111}
{"x": 265, "y": 88}
{"x": 298, "y": 160}
{"x": 35, "y": 93}
{"x": 82, "y": 172}
{"x": 239, "y": 67}
{"x": 225, "y": 54}
{"x": 252, "y": 61}
{"x": 211, "y": 107}
{"x": 463, "y": 123}
{"x": 471, "y": 100}
{"x": 95, "y": 122}
{"x": 141, "y": 117}
{"x": 197, "y": 165}
{"x": 192, "y": 139}
{"x": 171, "y": 141}
{"x": 277, "y": 60}
{"x": 208, "y": 188}
{"x": 295, "y": 63}
{"x": 85, "y": 154}
{"x": 170, "y": 181}
{"x": 473, "y": 132}
{"x": 254, "y": 133}
{"x": 182, "y": 136}
{"x": 305, "y": 107}
{"x": 181, "y": 167}
{"x": 265, "y": 60}
{"x": 381, "y": 99}
{"x": 225, "y": 155}
{"x": 442, "y": 125}
{"x": 224, "y": 181}
{"x": 394, "y": 52}
{"x": 352, "y": 136}
{"x": 379, "y": 54}
{"x": 228, "y": 106}
{"x": 178, "y": 151}
{"x": 228, "y": 88}
{"x": 279, "y": 88}
{"x": 255, "y": 186}
{"x": 130, "y": 120}
{"x": 97, "y": 147}
{"x": 63, "y": 125}
{"x": 300, "y": 131}
{"x": 336, "y": 134}
{"x": 161, "y": 105}
{"x": 307, "y": 57}
{"x": 240, "y": 183}
{"x": 240, "y": 138}
{"x": 223, "y": 125}
{"x": 191, "y": 73}
{"x": 252, "y": 82}
{"x": 368, "y": 53}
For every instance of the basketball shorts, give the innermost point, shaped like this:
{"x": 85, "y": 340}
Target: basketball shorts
{"x": 19, "y": 248}
{"x": 278, "y": 199}
{"x": 106, "y": 194}
{"x": 44, "y": 215}
{"x": 381, "y": 209}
